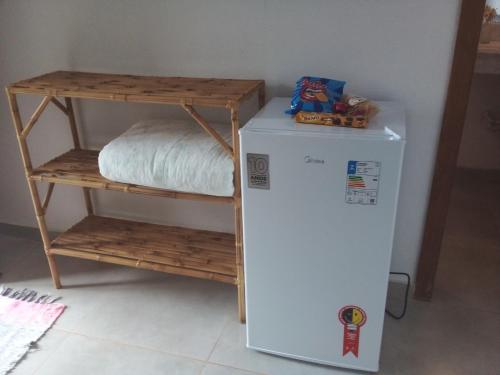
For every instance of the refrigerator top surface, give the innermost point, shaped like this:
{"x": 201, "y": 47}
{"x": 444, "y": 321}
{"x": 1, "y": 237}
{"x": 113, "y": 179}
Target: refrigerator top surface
{"x": 388, "y": 124}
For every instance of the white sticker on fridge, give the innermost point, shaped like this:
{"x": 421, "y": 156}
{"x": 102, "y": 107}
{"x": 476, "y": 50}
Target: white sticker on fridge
{"x": 362, "y": 182}
{"x": 258, "y": 171}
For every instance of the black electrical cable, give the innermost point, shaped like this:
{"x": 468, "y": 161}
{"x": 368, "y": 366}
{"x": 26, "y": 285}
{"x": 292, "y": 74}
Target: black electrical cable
{"x": 407, "y": 290}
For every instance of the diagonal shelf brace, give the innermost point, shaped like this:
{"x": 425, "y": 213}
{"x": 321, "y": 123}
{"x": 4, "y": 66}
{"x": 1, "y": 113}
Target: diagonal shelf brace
{"x": 201, "y": 121}
{"x": 35, "y": 116}
{"x": 48, "y": 195}
{"x": 59, "y": 105}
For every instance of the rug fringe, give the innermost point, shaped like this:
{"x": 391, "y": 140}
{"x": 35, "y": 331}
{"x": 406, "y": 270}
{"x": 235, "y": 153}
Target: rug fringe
{"x": 27, "y": 295}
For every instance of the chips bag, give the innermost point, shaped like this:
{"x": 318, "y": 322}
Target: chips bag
{"x": 313, "y": 94}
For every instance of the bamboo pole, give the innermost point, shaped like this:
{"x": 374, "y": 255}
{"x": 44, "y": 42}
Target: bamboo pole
{"x": 76, "y": 142}
{"x": 72, "y": 123}
{"x": 154, "y": 266}
{"x": 59, "y": 105}
{"x": 40, "y": 217}
{"x": 235, "y": 123}
{"x": 34, "y": 118}
{"x": 201, "y": 121}
{"x": 47, "y": 197}
{"x": 129, "y": 188}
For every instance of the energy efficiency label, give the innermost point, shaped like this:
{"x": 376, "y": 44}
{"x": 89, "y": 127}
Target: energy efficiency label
{"x": 362, "y": 182}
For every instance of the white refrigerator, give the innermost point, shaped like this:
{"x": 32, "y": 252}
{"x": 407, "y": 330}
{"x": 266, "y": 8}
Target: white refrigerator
{"x": 319, "y": 208}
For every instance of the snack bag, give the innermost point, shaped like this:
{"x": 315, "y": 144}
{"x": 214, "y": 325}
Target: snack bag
{"x": 313, "y": 94}
{"x": 331, "y": 119}
{"x": 359, "y": 106}
{"x": 351, "y": 111}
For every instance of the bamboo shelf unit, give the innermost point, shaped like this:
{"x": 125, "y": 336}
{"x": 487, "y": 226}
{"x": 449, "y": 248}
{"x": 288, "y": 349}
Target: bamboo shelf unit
{"x": 190, "y": 252}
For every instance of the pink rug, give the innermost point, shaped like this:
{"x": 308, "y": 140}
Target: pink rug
{"x": 24, "y": 317}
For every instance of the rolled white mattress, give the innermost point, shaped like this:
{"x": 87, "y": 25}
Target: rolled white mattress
{"x": 170, "y": 154}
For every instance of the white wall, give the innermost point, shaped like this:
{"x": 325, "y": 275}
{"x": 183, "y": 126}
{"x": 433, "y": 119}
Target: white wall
{"x": 385, "y": 49}
{"x": 494, "y": 3}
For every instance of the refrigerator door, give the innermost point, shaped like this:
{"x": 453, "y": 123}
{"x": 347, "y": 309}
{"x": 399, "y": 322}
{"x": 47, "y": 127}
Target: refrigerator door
{"x": 318, "y": 218}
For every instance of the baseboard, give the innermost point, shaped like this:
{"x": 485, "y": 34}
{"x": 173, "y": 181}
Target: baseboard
{"x": 20, "y": 231}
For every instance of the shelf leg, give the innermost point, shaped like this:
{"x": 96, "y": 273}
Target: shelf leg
{"x": 239, "y": 263}
{"x": 39, "y": 211}
{"x": 77, "y": 145}
{"x": 235, "y": 123}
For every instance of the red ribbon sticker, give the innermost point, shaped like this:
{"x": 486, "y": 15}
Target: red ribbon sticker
{"x": 353, "y": 318}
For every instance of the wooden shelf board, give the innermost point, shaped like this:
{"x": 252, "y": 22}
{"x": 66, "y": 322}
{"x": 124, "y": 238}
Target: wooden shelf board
{"x": 132, "y": 88}
{"x": 182, "y": 251}
{"x": 80, "y": 168}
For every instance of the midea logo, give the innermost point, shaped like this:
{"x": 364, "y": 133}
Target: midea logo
{"x": 308, "y": 159}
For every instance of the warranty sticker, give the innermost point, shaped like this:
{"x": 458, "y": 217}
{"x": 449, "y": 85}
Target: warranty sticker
{"x": 353, "y": 318}
{"x": 258, "y": 171}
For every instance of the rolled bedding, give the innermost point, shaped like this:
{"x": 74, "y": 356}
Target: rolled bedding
{"x": 170, "y": 154}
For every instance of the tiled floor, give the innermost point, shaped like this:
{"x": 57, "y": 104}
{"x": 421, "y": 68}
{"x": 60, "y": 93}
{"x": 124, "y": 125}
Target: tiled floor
{"x": 128, "y": 321}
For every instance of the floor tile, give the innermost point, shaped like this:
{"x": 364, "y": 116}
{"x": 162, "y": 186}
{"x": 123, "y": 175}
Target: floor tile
{"x": 428, "y": 340}
{"x": 474, "y": 205}
{"x": 171, "y": 313}
{"x": 83, "y": 355}
{"x": 469, "y": 273}
{"x": 436, "y": 340}
{"x": 80, "y": 280}
{"x": 174, "y": 314}
{"x": 13, "y": 251}
{"x": 40, "y": 353}
{"x": 231, "y": 351}
{"x": 211, "y": 369}
{"x": 469, "y": 268}
{"x": 20, "y": 232}
{"x": 471, "y": 217}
